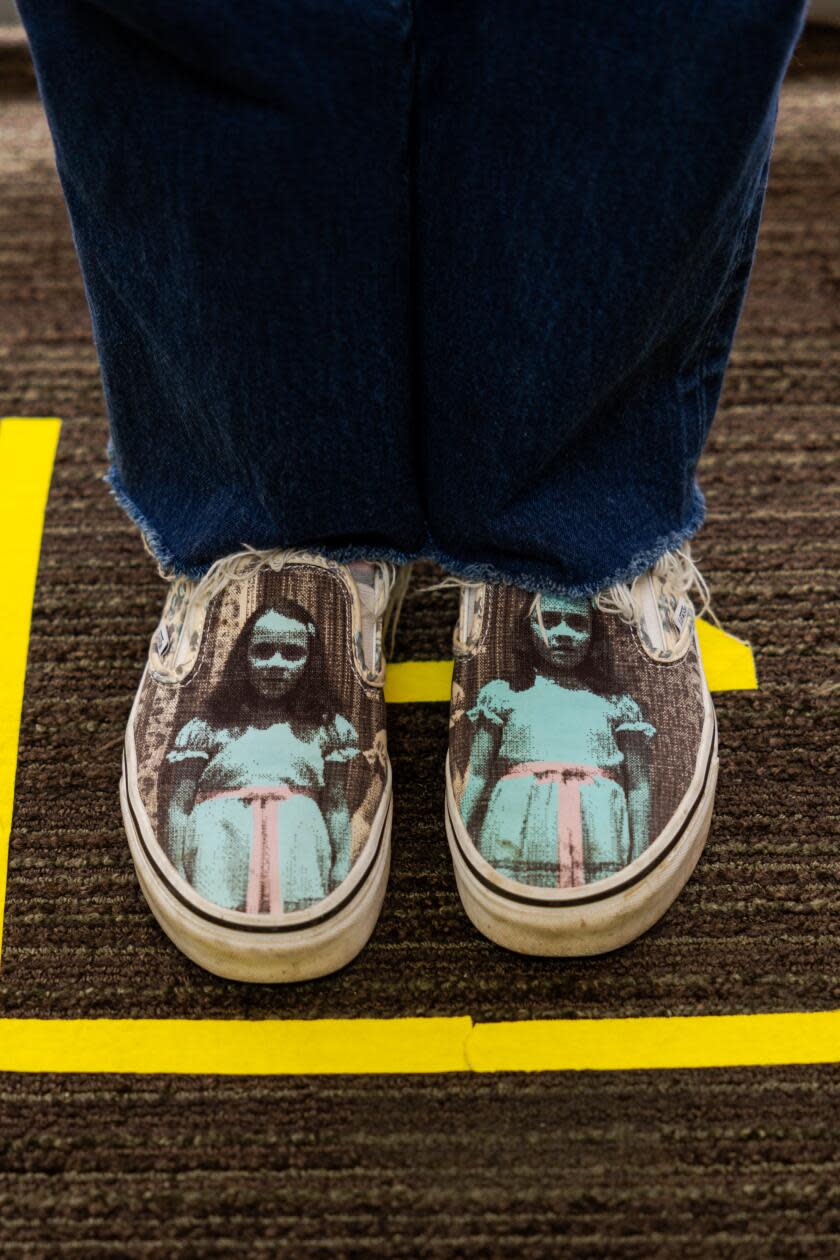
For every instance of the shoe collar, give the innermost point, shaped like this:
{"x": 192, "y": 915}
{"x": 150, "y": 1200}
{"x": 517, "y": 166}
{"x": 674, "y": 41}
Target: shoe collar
{"x": 176, "y": 643}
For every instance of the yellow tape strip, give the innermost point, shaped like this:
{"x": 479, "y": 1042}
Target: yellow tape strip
{"x": 728, "y": 663}
{"x": 409, "y": 682}
{"x": 234, "y": 1047}
{"x": 405, "y": 1046}
{"x": 27, "y": 450}
{"x": 698, "y": 1041}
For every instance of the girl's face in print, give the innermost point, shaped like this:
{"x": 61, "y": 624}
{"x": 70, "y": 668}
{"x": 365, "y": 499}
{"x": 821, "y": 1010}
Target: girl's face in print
{"x": 568, "y": 629}
{"x": 277, "y": 654}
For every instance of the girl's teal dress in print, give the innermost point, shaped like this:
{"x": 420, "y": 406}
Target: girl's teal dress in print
{"x": 244, "y": 840}
{"x": 571, "y": 798}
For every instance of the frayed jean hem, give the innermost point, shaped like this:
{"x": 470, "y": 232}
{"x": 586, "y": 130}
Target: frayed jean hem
{"x": 155, "y": 545}
{"x": 171, "y": 564}
{"x": 548, "y": 578}
{"x": 530, "y": 575}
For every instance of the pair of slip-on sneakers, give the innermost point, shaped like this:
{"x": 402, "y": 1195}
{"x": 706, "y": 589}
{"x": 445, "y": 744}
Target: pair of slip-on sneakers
{"x": 257, "y": 791}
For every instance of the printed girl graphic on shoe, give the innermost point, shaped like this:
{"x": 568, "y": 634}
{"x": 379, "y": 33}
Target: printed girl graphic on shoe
{"x": 258, "y": 817}
{"x": 565, "y": 766}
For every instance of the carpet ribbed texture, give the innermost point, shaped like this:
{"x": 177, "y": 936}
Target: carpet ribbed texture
{"x": 717, "y": 1163}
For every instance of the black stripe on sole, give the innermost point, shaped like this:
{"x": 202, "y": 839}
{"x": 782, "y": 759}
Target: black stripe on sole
{"x": 588, "y": 898}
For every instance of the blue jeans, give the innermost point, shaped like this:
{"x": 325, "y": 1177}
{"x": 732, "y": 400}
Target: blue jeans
{"x": 444, "y": 279}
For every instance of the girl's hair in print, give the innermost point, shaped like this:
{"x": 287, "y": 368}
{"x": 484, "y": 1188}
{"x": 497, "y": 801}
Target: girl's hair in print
{"x": 591, "y": 673}
{"x": 235, "y": 701}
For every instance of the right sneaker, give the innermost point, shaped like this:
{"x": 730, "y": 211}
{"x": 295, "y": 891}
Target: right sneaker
{"x": 256, "y": 788}
{"x": 582, "y": 759}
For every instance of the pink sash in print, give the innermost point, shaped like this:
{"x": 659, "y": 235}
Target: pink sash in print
{"x": 264, "y": 893}
{"x": 569, "y": 779}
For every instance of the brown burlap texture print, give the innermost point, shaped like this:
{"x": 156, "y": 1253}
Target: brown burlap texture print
{"x": 569, "y": 724}
{"x": 272, "y": 722}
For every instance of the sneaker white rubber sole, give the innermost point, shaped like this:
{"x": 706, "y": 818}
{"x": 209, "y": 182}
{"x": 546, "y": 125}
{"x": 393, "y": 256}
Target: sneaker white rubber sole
{"x": 270, "y": 949}
{"x": 598, "y": 917}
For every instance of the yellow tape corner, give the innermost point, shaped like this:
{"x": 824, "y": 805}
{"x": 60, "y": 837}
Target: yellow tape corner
{"x": 728, "y": 662}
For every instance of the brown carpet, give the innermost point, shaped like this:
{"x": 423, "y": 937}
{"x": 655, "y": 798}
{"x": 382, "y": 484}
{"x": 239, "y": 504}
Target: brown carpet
{"x": 672, "y": 1164}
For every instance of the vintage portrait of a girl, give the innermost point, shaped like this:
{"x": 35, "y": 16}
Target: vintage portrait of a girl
{"x": 242, "y": 835}
{"x": 557, "y": 802}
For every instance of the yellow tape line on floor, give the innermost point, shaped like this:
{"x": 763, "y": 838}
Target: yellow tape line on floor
{"x": 728, "y": 663}
{"x": 409, "y": 1046}
{"x": 27, "y": 450}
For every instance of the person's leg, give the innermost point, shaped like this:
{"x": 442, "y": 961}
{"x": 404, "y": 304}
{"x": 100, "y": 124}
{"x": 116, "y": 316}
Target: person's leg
{"x": 589, "y": 186}
{"x": 590, "y": 181}
{"x": 237, "y": 181}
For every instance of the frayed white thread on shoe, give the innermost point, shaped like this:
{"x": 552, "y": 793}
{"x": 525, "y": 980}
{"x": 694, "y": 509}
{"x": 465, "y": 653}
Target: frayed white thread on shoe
{"x": 676, "y": 569}
{"x": 454, "y": 583}
{"x": 536, "y": 607}
{"x": 246, "y": 563}
{"x": 678, "y": 572}
{"x": 238, "y": 568}
{"x": 390, "y": 581}
{"x": 450, "y": 583}
{"x": 397, "y": 593}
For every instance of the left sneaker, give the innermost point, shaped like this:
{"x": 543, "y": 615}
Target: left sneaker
{"x": 256, "y": 787}
{"x": 582, "y": 760}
